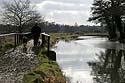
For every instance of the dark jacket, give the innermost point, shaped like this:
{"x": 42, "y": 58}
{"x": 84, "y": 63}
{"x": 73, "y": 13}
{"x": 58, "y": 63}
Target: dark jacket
{"x": 36, "y": 30}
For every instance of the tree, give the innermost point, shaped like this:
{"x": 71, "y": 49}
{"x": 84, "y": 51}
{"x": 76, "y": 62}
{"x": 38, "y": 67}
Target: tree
{"x": 110, "y": 67}
{"x": 20, "y": 13}
{"x": 100, "y": 14}
{"x": 111, "y": 13}
{"x": 117, "y": 5}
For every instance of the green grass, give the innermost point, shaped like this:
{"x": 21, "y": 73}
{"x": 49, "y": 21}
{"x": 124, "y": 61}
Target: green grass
{"x": 54, "y": 37}
{"x": 95, "y": 34}
{"x": 4, "y": 48}
{"x": 6, "y": 43}
{"x": 45, "y": 70}
{"x": 65, "y": 36}
{"x": 69, "y": 36}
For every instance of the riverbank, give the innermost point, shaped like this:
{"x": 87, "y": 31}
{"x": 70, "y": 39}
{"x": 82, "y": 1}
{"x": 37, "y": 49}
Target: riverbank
{"x": 46, "y": 71}
{"x": 70, "y": 36}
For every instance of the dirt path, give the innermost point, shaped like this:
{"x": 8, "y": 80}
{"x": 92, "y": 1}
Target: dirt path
{"x": 13, "y": 65}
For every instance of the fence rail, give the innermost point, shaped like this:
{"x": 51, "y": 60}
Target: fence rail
{"x": 1, "y": 35}
{"x": 17, "y": 39}
{"x": 13, "y": 38}
{"x": 46, "y": 40}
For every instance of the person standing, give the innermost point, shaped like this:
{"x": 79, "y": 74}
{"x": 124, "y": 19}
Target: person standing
{"x": 35, "y": 31}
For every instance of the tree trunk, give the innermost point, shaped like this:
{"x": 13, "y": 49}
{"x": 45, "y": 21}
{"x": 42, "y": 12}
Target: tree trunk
{"x": 111, "y": 29}
{"x": 119, "y": 27}
{"x": 117, "y": 65}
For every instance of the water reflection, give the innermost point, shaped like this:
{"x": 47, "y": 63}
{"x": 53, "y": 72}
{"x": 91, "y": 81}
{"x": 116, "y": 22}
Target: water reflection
{"x": 105, "y": 66}
{"x": 110, "y": 68}
{"x": 73, "y": 57}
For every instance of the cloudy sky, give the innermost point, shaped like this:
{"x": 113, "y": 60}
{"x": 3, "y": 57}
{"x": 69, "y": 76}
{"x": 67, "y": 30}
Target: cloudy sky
{"x": 63, "y": 11}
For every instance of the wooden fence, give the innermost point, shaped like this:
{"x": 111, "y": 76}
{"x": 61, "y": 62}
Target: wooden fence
{"x": 13, "y": 38}
{"x": 46, "y": 41}
{"x": 17, "y": 39}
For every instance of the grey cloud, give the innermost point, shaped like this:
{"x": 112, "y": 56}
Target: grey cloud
{"x": 49, "y": 6}
{"x": 63, "y": 6}
{"x": 8, "y": 1}
{"x": 62, "y": 11}
{"x": 75, "y": 1}
{"x": 66, "y": 11}
{"x": 68, "y": 18}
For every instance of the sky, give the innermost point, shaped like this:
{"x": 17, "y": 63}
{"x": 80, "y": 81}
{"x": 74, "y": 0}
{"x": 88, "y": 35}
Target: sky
{"x": 63, "y": 11}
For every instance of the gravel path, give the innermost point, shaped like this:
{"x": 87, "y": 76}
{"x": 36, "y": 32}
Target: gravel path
{"x": 13, "y": 65}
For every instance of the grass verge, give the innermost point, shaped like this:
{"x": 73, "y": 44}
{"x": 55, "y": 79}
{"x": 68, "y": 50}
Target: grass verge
{"x": 65, "y": 36}
{"x": 6, "y": 43}
{"x": 54, "y": 37}
{"x": 48, "y": 71}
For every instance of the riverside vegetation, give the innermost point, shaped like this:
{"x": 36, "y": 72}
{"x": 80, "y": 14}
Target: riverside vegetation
{"x": 47, "y": 71}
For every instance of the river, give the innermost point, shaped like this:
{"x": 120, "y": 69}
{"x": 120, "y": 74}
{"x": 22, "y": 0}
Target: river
{"x": 91, "y": 59}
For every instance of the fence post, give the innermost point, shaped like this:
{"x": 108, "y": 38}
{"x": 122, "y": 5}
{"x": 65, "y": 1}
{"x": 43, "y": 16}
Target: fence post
{"x": 48, "y": 45}
{"x": 15, "y": 39}
{"x": 43, "y": 39}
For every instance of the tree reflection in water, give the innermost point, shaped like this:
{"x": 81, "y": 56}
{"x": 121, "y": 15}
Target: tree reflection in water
{"x": 110, "y": 68}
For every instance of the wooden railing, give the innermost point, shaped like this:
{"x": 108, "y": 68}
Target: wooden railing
{"x": 46, "y": 41}
{"x": 13, "y": 38}
{"x": 17, "y": 39}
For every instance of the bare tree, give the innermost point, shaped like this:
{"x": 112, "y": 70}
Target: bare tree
{"x": 20, "y": 13}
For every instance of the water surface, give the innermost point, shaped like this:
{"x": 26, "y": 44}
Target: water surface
{"x": 83, "y": 60}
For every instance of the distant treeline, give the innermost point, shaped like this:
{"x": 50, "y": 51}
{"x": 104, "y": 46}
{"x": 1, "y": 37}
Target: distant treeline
{"x": 54, "y": 28}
